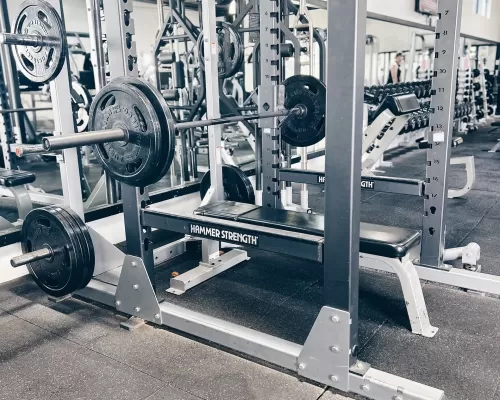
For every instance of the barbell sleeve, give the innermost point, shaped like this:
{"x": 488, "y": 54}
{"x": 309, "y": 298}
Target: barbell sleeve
{"x": 13, "y": 39}
{"x": 27, "y": 258}
{"x": 24, "y": 149}
{"x": 83, "y": 139}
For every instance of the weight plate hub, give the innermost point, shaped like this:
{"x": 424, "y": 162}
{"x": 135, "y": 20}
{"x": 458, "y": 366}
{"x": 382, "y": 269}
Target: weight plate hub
{"x": 230, "y": 50}
{"x": 237, "y": 186}
{"x": 43, "y": 63}
{"x": 309, "y": 128}
{"x": 71, "y": 265}
{"x": 137, "y": 160}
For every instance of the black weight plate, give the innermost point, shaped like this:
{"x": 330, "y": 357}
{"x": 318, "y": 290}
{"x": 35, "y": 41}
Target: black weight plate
{"x": 80, "y": 102}
{"x": 134, "y": 161}
{"x": 40, "y": 64}
{"x": 230, "y": 50}
{"x": 62, "y": 274}
{"x": 86, "y": 243}
{"x": 86, "y": 264}
{"x": 237, "y": 186}
{"x": 308, "y": 129}
{"x": 165, "y": 117}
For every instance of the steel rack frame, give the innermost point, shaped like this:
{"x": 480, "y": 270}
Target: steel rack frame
{"x": 329, "y": 355}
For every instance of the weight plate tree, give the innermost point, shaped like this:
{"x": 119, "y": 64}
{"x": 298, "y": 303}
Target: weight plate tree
{"x": 237, "y": 186}
{"x": 57, "y": 250}
{"x": 42, "y": 53}
{"x": 231, "y": 50}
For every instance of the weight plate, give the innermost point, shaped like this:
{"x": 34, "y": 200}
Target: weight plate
{"x": 237, "y": 186}
{"x": 42, "y": 63}
{"x": 80, "y": 102}
{"x": 63, "y": 273}
{"x": 230, "y": 50}
{"x": 86, "y": 264}
{"x": 86, "y": 243}
{"x": 135, "y": 161}
{"x": 165, "y": 116}
{"x": 308, "y": 129}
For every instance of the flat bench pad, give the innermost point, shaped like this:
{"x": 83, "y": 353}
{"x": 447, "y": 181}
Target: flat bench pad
{"x": 12, "y": 178}
{"x": 380, "y": 240}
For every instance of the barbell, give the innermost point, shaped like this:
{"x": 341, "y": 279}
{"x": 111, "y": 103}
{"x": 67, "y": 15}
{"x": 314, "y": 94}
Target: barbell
{"x": 132, "y": 129}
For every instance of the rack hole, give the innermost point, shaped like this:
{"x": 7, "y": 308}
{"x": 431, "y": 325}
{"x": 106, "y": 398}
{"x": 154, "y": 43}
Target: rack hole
{"x": 433, "y": 210}
{"x": 431, "y": 231}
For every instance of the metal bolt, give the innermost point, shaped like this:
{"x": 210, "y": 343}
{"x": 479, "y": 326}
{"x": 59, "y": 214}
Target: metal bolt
{"x": 334, "y": 378}
{"x": 135, "y": 287}
{"x": 118, "y": 302}
{"x": 137, "y": 309}
{"x": 157, "y": 316}
{"x": 365, "y": 388}
{"x": 302, "y": 366}
{"x": 133, "y": 264}
{"x": 335, "y": 319}
{"x": 334, "y": 349}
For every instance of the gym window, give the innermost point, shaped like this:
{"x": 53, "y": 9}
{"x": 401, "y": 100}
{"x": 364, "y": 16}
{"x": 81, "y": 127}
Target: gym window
{"x": 482, "y": 7}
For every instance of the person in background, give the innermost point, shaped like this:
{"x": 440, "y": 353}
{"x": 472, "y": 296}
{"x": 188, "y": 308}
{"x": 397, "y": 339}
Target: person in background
{"x": 395, "y": 72}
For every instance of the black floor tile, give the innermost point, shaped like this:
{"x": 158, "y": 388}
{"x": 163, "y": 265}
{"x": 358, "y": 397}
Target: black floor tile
{"x": 460, "y": 311}
{"x": 37, "y": 364}
{"x": 465, "y": 366}
{"x": 201, "y": 370}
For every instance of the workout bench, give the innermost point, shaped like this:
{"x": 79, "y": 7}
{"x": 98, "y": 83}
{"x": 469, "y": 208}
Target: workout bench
{"x": 296, "y": 234}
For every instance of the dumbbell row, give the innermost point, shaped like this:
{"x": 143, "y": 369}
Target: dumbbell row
{"x": 421, "y": 89}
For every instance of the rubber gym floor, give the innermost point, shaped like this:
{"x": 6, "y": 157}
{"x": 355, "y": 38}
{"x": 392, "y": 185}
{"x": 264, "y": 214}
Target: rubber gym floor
{"x": 76, "y": 350}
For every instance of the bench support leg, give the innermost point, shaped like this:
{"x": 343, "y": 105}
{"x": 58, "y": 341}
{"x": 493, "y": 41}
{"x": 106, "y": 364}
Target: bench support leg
{"x": 23, "y": 201}
{"x": 412, "y": 290}
{"x": 206, "y": 270}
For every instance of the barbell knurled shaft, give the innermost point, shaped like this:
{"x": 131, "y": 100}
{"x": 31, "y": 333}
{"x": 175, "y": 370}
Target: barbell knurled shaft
{"x": 236, "y": 118}
{"x": 31, "y": 257}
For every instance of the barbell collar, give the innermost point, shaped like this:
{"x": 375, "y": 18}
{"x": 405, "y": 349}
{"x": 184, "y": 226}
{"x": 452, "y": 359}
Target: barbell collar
{"x": 12, "y": 39}
{"x": 27, "y": 258}
{"x": 83, "y": 139}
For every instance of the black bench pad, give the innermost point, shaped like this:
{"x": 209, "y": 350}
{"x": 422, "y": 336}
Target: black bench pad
{"x": 12, "y": 178}
{"x": 380, "y": 240}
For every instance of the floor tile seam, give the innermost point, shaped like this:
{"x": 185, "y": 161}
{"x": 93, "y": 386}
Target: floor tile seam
{"x": 265, "y": 314}
{"x": 174, "y": 387}
{"x": 476, "y": 225}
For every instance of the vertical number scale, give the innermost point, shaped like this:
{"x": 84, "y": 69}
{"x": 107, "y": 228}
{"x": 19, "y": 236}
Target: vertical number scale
{"x": 441, "y": 130}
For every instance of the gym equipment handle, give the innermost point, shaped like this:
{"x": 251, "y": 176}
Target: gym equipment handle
{"x": 28, "y": 40}
{"x": 118, "y": 134}
{"x": 27, "y": 258}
